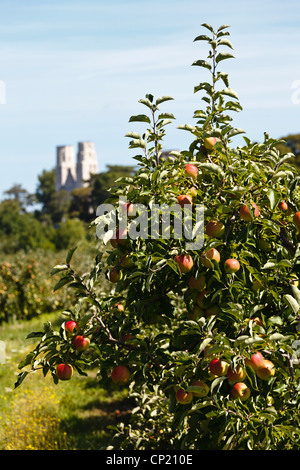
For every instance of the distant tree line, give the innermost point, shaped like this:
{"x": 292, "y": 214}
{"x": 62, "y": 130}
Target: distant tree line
{"x": 51, "y": 219}
{"x": 292, "y": 144}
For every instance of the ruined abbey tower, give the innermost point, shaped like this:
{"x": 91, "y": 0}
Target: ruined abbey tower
{"x": 74, "y": 172}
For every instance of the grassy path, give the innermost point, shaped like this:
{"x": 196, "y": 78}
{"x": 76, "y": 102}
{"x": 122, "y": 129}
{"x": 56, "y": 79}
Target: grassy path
{"x": 40, "y": 415}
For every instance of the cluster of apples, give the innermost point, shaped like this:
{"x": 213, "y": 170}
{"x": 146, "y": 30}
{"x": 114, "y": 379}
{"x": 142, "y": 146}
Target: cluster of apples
{"x": 198, "y": 389}
{"x": 191, "y": 171}
{"x": 264, "y": 369}
{"x": 80, "y": 343}
{"x": 185, "y": 262}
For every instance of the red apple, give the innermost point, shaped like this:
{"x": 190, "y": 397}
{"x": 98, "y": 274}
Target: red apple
{"x": 296, "y": 219}
{"x": 210, "y": 142}
{"x": 237, "y": 375}
{"x": 207, "y": 257}
{"x": 120, "y": 307}
{"x": 185, "y": 262}
{"x": 255, "y": 361}
{"x": 215, "y": 229}
{"x": 81, "y": 343}
{"x": 183, "y": 397}
{"x": 231, "y": 265}
{"x": 184, "y": 199}
{"x": 70, "y": 326}
{"x": 197, "y": 284}
{"x": 218, "y": 367}
{"x": 129, "y": 208}
{"x": 191, "y": 170}
{"x": 283, "y": 206}
{"x": 202, "y": 388}
{"x": 120, "y": 375}
{"x": 115, "y": 275}
{"x": 245, "y": 213}
{"x": 266, "y": 370}
{"x": 240, "y": 390}
{"x": 64, "y": 371}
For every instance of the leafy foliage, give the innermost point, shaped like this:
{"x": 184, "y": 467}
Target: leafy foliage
{"x": 154, "y": 322}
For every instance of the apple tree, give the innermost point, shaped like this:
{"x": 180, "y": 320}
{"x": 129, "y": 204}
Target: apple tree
{"x": 204, "y": 337}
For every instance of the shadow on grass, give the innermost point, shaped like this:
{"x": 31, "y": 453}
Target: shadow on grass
{"x": 88, "y": 430}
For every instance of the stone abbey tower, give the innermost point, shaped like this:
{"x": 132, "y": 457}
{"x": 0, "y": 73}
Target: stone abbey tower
{"x": 74, "y": 172}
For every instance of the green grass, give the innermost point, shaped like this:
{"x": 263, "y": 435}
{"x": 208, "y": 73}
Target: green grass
{"x": 40, "y": 415}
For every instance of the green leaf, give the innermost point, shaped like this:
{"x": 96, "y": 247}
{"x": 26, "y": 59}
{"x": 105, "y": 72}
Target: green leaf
{"x": 136, "y": 274}
{"x": 291, "y": 302}
{"x": 208, "y": 26}
{"x": 70, "y": 254}
{"x": 275, "y": 320}
{"x": 269, "y": 265}
{"x": 173, "y": 265}
{"x": 252, "y": 377}
{"x": 26, "y": 361}
{"x": 204, "y": 343}
{"x": 133, "y": 135}
{"x": 62, "y": 282}
{"x": 223, "y": 56}
{"x": 224, "y": 26}
{"x": 35, "y": 334}
{"x": 202, "y": 37}
{"x": 166, "y": 116}
{"x": 225, "y": 42}
{"x": 146, "y": 102}
{"x": 217, "y": 384}
{"x": 20, "y": 378}
{"x": 271, "y": 197}
{"x": 276, "y": 337}
{"x": 162, "y": 99}
{"x": 107, "y": 236}
{"x": 58, "y": 268}
{"x": 233, "y": 106}
{"x": 140, "y": 118}
{"x": 212, "y": 167}
{"x": 202, "y": 63}
{"x": 137, "y": 143}
{"x": 187, "y": 127}
{"x": 229, "y": 92}
{"x": 234, "y": 132}
{"x": 224, "y": 77}
{"x": 296, "y": 293}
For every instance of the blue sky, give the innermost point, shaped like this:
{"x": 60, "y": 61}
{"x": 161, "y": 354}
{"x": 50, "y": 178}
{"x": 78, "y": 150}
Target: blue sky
{"x": 75, "y": 70}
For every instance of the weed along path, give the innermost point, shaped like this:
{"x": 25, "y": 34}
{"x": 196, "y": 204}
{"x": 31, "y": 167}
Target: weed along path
{"x": 40, "y": 415}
